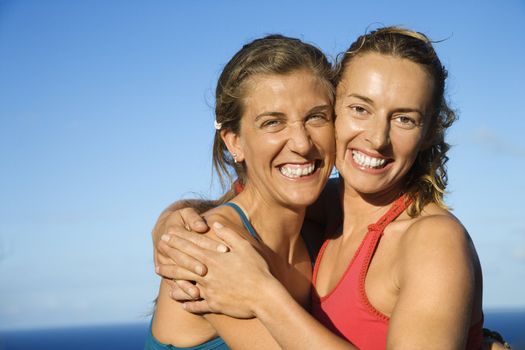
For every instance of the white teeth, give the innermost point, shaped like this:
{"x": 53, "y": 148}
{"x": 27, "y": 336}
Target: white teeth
{"x": 367, "y": 161}
{"x": 295, "y": 172}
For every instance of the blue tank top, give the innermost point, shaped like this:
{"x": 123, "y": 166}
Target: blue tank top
{"x": 216, "y": 343}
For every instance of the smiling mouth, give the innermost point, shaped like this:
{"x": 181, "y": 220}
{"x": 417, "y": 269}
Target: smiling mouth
{"x": 367, "y": 161}
{"x": 295, "y": 171}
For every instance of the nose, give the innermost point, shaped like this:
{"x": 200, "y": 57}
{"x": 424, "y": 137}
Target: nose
{"x": 300, "y": 141}
{"x": 378, "y": 133}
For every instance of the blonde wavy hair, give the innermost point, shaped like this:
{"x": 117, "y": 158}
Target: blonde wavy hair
{"x": 427, "y": 179}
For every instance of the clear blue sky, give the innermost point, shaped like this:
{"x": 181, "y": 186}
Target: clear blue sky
{"x": 106, "y": 118}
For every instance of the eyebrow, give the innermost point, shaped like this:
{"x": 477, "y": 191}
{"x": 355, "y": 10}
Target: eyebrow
{"x": 315, "y": 109}
{"x": 408, "y": 110}
{"x": 370, "y": 101}
{"x": 320, "y": 108}
{"x": 269, "y": 114}
{"x": 361, "y": 97}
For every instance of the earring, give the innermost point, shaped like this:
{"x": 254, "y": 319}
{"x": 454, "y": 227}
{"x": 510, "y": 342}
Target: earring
{"x": 234, "y": 155}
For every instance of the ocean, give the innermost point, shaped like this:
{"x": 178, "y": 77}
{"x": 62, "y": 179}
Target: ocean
{"x": 511, "y": 324}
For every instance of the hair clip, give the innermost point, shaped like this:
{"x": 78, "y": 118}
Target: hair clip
{"x": 218, "y": 126}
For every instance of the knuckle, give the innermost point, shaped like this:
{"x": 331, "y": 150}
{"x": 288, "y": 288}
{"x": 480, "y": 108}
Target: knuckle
{"x": 188, "y": 306}
{"x": 168, "y": 271}
{"x": 203, "y": 241}
{"x": 178, "y": 272}
{"x": 175, "y": 242}
{"x": 160, "y": 245}
{"x": 213, "y": 305}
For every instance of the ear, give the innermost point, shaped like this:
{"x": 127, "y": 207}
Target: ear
{"x": 233, "y": 143}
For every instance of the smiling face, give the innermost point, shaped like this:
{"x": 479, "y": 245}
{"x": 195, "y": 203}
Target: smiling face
{"x": 286, "y": 137}
{"x": 382, "y": 108}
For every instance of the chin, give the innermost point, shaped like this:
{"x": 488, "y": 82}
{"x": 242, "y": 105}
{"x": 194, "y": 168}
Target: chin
{"x": 300, "y": 201}
{"x": 366, "y": 187}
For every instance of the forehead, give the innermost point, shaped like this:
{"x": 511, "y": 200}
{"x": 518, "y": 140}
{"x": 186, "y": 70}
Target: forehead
{"x": 297, "y": 89}
{"x": 387, "y": 79}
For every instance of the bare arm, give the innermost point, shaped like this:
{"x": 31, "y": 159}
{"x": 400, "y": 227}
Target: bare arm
{"x": 259, "y": 295}
{"x": 239, "y": 331}
{"x": 436, "y": 287}
{"x": 183, "y": 217}
{"x": 294, "y": 328}
{"x": 180, "y": 217}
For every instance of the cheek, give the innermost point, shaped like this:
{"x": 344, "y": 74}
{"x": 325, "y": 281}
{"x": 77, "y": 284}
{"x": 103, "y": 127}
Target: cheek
{"x": 325, "y": 137}
{"x": 330, "y": 146}
{"x": 346, "y": 128}
{"x": 407, "y": 146}
{"x": 261, "y": 144}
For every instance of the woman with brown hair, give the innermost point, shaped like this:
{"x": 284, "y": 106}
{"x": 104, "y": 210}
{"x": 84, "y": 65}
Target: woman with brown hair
{"x": 274, "y": 129}
{"x": 401, "y": 270}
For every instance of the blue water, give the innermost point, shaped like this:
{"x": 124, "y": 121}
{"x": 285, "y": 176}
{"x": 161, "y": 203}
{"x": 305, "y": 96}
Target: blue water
{"x": 128, "y": 337}
{"x": 511, "y": 324}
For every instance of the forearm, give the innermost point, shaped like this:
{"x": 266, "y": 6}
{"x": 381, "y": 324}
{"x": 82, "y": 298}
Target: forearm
{"x": 291, "y": 325}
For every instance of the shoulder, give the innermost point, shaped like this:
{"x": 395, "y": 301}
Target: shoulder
{"x": 226, "y": 216}
{"x": 436, "y": 245}
{"x": 435, "y": 227}
{"x": 436, "y": 282}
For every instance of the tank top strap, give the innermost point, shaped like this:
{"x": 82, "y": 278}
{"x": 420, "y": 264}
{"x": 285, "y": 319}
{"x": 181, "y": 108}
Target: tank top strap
{"x": 398, "y": 207}
{"x": 246, "y": 223}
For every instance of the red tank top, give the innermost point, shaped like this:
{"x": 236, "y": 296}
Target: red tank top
{"x": 346, "y": 310}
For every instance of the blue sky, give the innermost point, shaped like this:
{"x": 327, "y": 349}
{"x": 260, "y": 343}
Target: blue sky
{"x": 106, "y": 117}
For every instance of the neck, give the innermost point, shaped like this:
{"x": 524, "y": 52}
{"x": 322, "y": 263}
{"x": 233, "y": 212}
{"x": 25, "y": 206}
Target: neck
{"x": 363, "y": 209}
{"x": 277, "y": 225}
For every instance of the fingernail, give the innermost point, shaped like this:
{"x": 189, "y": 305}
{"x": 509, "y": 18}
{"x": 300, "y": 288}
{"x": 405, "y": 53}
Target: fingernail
{"x": 217, "y": 225}
{"x": 165, "y": 238}
{"x": 199, "y": 270}
{"x": 221, "y": 248}
{"x": 157, "y": 269}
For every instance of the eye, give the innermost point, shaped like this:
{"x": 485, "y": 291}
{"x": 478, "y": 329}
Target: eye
{"x": 358, "y": 110}
{"x": 405, "y": 121}
{"x": 318, "y": 119}
{"x": 270, "y": 123}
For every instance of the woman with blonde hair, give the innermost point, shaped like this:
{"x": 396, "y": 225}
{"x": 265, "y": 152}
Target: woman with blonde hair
{"x": 400, "y": 271}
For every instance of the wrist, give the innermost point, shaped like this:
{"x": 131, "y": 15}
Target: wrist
{"x": 272, "y": 293}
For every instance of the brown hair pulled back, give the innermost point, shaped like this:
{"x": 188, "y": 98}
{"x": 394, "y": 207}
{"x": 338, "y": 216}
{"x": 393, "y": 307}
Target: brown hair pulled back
{"x": 271, "y": 55}
{"x": 427, "y": 179}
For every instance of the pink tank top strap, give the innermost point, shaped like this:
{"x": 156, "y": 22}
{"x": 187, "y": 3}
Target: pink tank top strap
{"x": 398, "y": 207}
{"x": 369, "y": 245}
